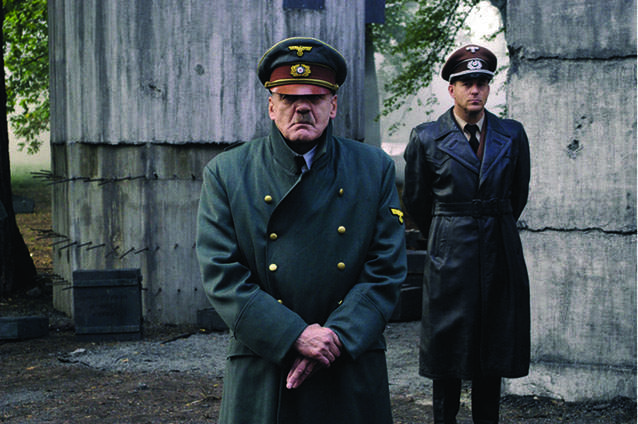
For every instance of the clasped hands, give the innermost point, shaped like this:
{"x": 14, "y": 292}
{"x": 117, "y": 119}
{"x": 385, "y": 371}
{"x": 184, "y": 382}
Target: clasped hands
{"x": 317, "y": 347}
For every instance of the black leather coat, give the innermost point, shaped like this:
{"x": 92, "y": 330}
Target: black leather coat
{"x": 476, "y": 315}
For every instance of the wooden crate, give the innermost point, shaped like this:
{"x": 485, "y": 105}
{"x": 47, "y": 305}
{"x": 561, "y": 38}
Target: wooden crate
{"x": 107, "y": 304}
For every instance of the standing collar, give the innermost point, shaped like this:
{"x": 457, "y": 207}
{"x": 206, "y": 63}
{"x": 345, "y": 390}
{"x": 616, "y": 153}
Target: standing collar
{"x": 285, "y": 156}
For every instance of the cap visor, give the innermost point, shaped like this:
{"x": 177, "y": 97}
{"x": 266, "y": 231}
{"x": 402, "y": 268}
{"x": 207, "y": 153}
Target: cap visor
{"x": 300, "y": 89}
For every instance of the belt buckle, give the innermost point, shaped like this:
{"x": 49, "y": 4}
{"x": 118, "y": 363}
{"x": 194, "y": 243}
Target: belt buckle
{"x": 477, "y": 208}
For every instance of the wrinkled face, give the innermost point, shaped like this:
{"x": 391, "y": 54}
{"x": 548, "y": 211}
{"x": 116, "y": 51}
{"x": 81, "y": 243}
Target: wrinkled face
{"x": 302, "y": 119}
{"x": 469, "y": 96}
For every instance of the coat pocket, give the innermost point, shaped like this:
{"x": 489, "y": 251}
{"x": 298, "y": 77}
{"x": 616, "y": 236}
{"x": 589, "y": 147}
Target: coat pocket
{"x": 438, "y": 241}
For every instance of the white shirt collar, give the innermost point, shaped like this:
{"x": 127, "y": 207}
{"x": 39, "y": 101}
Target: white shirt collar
{"x": 310, "y": 156}
{"x": 462, "y": 124}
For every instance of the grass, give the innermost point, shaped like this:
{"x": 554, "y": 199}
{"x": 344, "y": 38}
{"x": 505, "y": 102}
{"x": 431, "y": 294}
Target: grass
{"x": 24, "y": 183}
{"x": 33, "y": 225}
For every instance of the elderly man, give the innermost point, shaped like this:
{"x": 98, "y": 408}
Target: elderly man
{"x": 301, "y": 245}
{"x": 466, "y": 183}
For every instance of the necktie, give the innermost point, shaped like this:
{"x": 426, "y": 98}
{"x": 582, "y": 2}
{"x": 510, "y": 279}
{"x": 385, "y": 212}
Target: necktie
{"x": 473, "y": 129}
{"x": 301, "y": 164}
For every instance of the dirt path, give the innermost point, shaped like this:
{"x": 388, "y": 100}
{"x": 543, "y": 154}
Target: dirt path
{"x": 174, "y": 375}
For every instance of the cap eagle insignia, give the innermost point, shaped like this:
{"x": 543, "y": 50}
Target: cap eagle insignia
{"x": 300, "y": 49}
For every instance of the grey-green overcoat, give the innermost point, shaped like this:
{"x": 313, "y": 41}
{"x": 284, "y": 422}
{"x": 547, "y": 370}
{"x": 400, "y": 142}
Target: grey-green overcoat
{"x": 476, "y": 313}
{"x": 279, "y": 251}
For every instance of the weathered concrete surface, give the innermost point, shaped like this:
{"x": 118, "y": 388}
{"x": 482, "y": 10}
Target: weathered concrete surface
{"x": 152, "y": 91}
{"x": 146, "y": 221}
{"x": 580, "y": 117}
{"x": 583, "y": 316}
{"x": 572, "y": 83}
{"x": 571, "y": 29}
{"x": 183, "y": 71}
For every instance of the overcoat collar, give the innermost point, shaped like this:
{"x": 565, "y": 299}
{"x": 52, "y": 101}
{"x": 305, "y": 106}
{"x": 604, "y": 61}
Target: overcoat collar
{"x": 284, "y": 156}
{"x": 452, "y": 141}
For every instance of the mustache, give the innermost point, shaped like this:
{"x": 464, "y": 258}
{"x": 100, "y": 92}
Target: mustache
{"x": 303, "y": 121}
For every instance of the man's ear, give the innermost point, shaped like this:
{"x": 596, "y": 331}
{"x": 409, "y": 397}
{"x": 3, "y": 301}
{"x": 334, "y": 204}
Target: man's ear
{"x": 333, "y": 109}
{"x": 450, "y": 90}
{"x": 271, "y": 108}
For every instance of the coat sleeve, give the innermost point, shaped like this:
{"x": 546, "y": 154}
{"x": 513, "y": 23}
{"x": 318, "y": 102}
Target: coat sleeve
{"x": 361, "y": 318}
{"x": 417, "y": 195}
{"x": 256, "y": 319}
{"x": 520, "y": 186}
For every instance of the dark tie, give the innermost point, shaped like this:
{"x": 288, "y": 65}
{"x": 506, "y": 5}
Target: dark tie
{"x": 301, "y": 162}
{"x": 473, "y": 129}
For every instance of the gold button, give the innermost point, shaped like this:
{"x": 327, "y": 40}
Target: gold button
{"x": 272, "y": 267}
{"x": 341, "y": 266}
{"x": 268, "y": 198}
{"x": 273, "y": 236}
{"x": 340, "y": 302}
{"x": 280, "y": 301}
{"x": 341, "y": 229}
{"x": 340, "y": 192}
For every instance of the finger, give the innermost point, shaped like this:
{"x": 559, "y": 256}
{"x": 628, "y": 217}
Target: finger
{"x": 324, "y": 356}
{"x": 335, "y": 338}
{"x": 295, "y": 365}
{"x": 296, "y": 371}
{"x": 299, "y": 373}
{"x": 295, "y": 377}
{"x": 337, "y": 341}
{"x": 335, "y": 350}
{"x": 329, "y": 356}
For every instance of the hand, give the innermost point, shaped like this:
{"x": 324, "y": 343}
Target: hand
{"x": 319, "y": 343}
{"x": 301, "y": 369}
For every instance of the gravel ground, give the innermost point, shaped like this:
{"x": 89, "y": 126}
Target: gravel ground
{"x": 174, "y": 375}
{"x": 204, "y": 353}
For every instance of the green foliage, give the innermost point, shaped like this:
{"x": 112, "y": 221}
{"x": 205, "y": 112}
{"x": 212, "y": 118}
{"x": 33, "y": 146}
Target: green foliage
{"x": 416, "y": 37}
{"x": 26, "y": 61}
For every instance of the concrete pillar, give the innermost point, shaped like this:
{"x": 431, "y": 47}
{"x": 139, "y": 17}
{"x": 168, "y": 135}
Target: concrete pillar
{"x": 143, "y": 94}
{"x": 572, "y": 82}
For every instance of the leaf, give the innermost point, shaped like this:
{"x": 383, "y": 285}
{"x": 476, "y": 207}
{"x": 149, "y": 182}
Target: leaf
{"x": 415, "y": 40}
{"x": 26, "y": 61}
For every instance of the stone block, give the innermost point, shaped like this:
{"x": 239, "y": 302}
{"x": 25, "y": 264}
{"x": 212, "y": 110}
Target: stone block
{"x": 23, "y": 204}
{"x": 580, "y": 118}
{"x": 21, "y": 328}
{"x": 583, "y": 306}
{"x": 569, "y": 29}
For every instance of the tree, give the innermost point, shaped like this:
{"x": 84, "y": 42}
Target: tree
{"x": 26, "y": 60}
{"x": 415, "y": 39}
{"x": 17, "y": 271}
{"x": 24, "y": 96}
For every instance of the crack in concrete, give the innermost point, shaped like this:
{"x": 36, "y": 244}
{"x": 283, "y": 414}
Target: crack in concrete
{"x": 524, "y": 227}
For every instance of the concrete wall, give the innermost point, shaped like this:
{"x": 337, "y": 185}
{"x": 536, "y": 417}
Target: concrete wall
{"x": 143, "y": 94}
{"x": 572, "y": 83}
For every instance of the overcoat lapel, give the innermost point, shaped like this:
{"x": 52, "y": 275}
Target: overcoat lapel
{"x": 453, "y": 142}
{"x": 497, "y": 143}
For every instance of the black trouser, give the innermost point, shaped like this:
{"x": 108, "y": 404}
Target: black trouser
{"x": 486, "y": 395}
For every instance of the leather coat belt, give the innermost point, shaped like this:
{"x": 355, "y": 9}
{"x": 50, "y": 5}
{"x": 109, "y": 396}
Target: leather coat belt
{"x": 475, "y": 208}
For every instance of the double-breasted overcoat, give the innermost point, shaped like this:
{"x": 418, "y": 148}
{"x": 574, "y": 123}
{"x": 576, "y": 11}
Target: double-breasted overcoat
{"x": 279, "y": 251}
{"x": 476, "y": 315}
